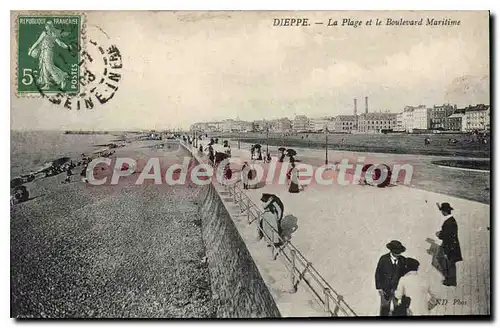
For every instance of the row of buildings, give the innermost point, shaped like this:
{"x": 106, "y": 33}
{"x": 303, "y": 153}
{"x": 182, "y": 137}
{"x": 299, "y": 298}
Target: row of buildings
{"x": 411, "y": 119}
{"x": 444, "y": 118}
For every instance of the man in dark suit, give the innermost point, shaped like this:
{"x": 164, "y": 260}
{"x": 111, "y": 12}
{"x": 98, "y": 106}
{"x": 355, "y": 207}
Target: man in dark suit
{"x": 390, "y": 268}
{"x": 450, "y": 245}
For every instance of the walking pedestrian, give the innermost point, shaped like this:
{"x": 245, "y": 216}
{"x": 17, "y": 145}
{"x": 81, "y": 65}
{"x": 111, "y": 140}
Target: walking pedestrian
{"x": 293, "y": 175}
{"x": 413, "y": 294}
{"x": 68, "y": 175}
{"x": 259, "y": 155}
{"x": 268, "y": 157}
{"x": 84, "y": 173}
{"x": 252, "y": 173}
{"x": 390, "y": 268}
{"x": 228, "y": 173}
{"x": 450, "y": 245}
{"x": 245, "y": 171}
{"x": 211, "y": 155}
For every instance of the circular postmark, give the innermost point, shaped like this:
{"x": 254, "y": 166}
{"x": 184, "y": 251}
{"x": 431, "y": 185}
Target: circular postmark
{"x": 99, "y": 71}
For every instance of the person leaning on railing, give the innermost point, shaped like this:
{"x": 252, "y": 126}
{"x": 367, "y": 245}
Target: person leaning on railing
{"x": 269, "y": 224}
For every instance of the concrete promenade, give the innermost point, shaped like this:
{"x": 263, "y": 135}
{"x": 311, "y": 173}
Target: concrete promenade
{"x": 343, "y": 231}
{"x": 467, "y": 184}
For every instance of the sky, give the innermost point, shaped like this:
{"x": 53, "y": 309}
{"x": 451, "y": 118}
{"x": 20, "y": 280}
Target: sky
{"x": 186, "y": 67}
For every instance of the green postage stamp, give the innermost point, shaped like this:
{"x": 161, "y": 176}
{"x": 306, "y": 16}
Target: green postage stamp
{"x": 48, "y": 54}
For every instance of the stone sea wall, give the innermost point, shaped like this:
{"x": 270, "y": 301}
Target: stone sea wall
{"x": 237, "y": 286}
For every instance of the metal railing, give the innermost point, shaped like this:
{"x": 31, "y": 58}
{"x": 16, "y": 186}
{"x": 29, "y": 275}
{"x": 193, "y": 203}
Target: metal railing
{"x": 301, "y": 270}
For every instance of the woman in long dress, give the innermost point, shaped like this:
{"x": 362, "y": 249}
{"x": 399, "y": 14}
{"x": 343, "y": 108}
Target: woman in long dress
{"x": 270, "y": 226}
{"x": 244, "y": 175}
{"x": 413, "y": 294}
{"x": 43, "y": 48}
{"x": 294, "y": 179}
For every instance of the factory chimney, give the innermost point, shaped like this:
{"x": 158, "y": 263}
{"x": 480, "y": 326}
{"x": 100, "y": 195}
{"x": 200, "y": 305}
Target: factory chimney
{"x": 355, "y": 107}
{"x": 366, "y": 105}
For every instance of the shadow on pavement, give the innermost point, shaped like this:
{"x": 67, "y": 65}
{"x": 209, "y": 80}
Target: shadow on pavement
{"x": 436, "y": 252}
{"x": 288, "y": 226}
{"x": 259, "y": 185}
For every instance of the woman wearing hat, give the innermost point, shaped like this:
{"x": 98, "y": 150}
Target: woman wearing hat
{"x": 413, "y": 294}
{"x": 450, "y": 245}
{"x": 270, "y": 225}
{"x": 293, "y": 175}
{"x": 245, "y": 172}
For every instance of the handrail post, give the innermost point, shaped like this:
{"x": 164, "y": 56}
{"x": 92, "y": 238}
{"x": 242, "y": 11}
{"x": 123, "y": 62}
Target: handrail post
{"x": 292, "y": 272}
{"x": 327, "y": 301}
{"x": 242, "y": 206}
{"x": 340, "y": 299}
{"x": 248, "y": 210}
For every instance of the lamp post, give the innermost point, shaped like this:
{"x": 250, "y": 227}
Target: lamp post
{"x": 326, "y": 145}
{"x": 239, "y": 137}
{"x": 267, "y": 140}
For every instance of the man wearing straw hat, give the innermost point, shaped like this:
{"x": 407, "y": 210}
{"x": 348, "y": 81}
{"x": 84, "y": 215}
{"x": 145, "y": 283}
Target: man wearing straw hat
{"x": 390, "y": 268}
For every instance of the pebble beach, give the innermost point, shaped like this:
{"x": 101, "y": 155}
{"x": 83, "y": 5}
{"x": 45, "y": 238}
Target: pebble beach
{"x": 80, "y": 251}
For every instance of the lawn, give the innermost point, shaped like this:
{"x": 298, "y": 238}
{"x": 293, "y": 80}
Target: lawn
{"x": 466, "y": 145}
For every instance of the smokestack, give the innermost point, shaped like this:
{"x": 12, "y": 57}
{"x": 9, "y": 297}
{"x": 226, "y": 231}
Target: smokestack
{"x": 366, "y": 105}
{"x": 355, "y": 107}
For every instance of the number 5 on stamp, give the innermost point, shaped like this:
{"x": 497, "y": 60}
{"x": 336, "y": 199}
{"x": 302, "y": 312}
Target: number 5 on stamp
{"x": 48, "y": 54}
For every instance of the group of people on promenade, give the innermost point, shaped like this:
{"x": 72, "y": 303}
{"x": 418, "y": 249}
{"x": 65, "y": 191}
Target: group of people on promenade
{"x": 403, "y": 291}
{"x": 247, "y": 173}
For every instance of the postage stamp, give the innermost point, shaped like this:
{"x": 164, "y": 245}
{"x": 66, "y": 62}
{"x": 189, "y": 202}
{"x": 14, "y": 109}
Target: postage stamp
{"x": 100, "y": 68}
{"x": 48, "y": 53}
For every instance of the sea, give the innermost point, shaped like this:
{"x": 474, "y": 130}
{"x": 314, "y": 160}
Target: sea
{"x": 31, "y": 149}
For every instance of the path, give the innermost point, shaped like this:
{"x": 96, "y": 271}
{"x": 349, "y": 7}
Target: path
{"x": 343, "y": 230}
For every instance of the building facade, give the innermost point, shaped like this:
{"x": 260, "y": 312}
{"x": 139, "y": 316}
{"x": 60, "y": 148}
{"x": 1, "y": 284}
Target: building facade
{"x": 399, "y": 122}
{"x": 346, "y": 123}
{"x": 438, "y": 115}
{"x": 260, "y": 125}
{"x": 414, "y": 117}
{"x": 229, "y": 125}
{"x": 245, "y": 126}
{"x": 454, "y": 122}
{"x": 477, "y": 118}
{"x": 319, "y": 124}
{"x": 301, "y": 123}
{"x": 282, "y": 125}
{"x": 376, "y": 122}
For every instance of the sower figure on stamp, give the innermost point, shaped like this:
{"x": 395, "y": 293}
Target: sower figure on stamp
{"x": 390, "y": 268}
{"x": 43, "y": 48}
{"x": 450, "y": 245}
